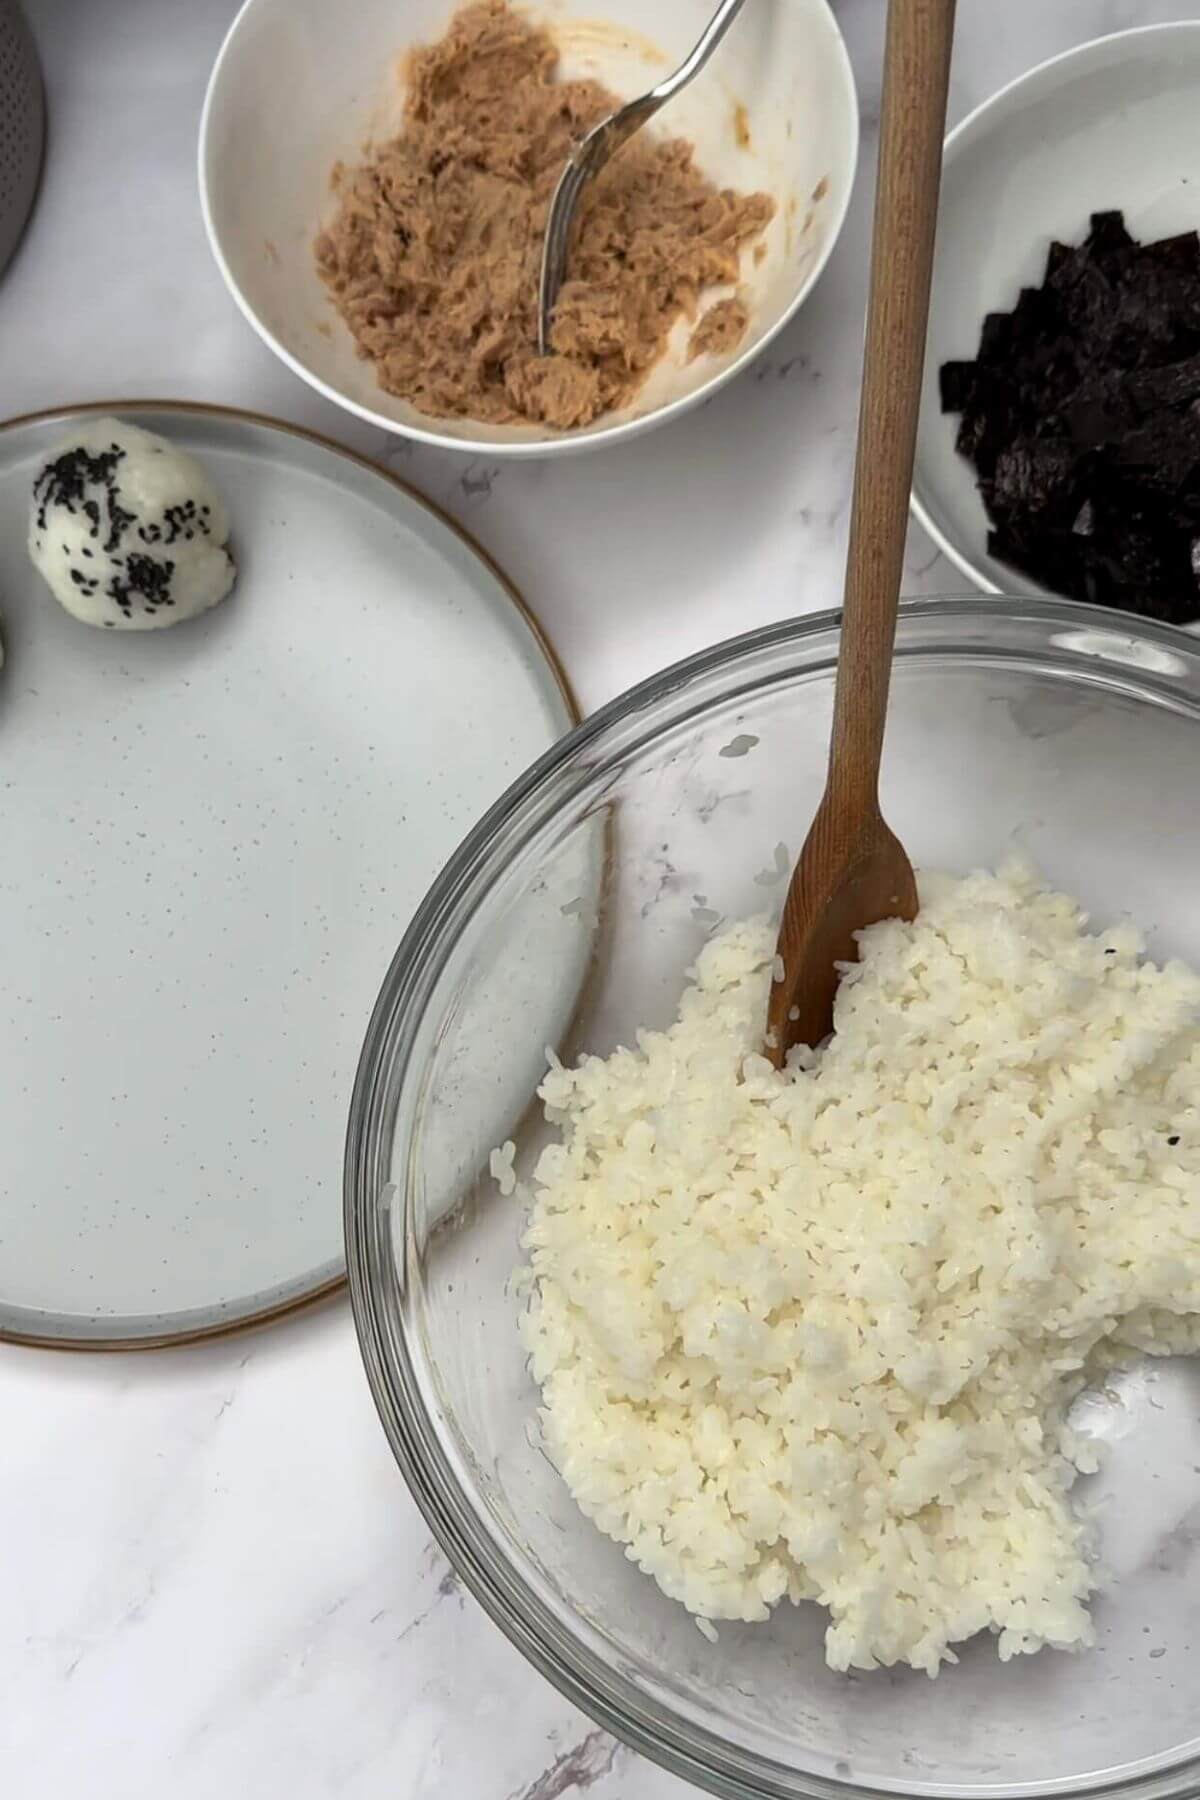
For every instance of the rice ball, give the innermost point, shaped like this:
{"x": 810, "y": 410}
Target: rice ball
{"x": 127, "y": 530}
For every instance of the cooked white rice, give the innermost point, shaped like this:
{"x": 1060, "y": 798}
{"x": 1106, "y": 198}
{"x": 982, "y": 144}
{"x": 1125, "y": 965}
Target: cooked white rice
{"x": 814, "y": 1334}
{"x": 127, "y": 529}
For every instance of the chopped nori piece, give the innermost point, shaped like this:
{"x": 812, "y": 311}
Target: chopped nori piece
{"x": 956, "y": 381}
{"x": 1081, "y": 415}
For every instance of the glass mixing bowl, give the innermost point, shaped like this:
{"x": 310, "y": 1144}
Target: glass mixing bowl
{"x": 568, "y": 919}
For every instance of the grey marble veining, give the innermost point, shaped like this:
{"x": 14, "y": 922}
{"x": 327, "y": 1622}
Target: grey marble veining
{"x": 215, "y": 1582}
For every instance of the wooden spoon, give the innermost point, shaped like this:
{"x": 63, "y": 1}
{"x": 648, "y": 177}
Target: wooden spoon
{"x": 852, "y": 870}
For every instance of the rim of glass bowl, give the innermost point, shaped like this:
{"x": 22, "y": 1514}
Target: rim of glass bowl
{"x": 1115, "y": 650}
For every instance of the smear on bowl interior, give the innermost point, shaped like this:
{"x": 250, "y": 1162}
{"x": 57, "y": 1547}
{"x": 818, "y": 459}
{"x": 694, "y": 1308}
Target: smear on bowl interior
{"x": 814, "y": 1335}
{"x": 433, "y": 251}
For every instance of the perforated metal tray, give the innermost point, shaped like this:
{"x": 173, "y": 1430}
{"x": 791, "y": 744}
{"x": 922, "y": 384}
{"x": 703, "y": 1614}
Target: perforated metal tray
{"x": 22, "y": 126}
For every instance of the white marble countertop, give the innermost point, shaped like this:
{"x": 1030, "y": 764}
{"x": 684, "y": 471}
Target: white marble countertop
{"x": 214, "y": 1580}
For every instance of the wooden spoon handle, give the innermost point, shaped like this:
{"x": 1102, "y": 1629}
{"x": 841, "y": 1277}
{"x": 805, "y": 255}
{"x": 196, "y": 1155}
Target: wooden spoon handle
{"x": 915, "y": 77}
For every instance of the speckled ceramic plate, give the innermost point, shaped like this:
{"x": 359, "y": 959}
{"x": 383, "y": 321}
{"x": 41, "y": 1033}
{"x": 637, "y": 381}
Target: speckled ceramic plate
{"x": 214, "y": 837}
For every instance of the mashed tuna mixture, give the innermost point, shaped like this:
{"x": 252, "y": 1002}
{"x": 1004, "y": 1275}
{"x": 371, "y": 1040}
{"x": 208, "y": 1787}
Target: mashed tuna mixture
{"x": 434, "y": 253}
{"x": 814, "y": 1335}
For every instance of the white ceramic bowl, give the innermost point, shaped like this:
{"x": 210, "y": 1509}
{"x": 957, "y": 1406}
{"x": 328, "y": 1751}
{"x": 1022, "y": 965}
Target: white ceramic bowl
{"x": 300, "y": 83}
{"x": 1114, "y": 124}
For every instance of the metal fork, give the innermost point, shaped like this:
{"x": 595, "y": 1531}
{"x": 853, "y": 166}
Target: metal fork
{"x": 597, "y": 148}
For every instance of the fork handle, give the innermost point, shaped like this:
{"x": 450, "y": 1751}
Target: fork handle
{"x": 711, "y": 36}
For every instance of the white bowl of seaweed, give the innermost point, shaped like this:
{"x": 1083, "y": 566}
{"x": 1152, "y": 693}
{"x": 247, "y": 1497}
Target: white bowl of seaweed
{"x": 1059, "y": 447}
